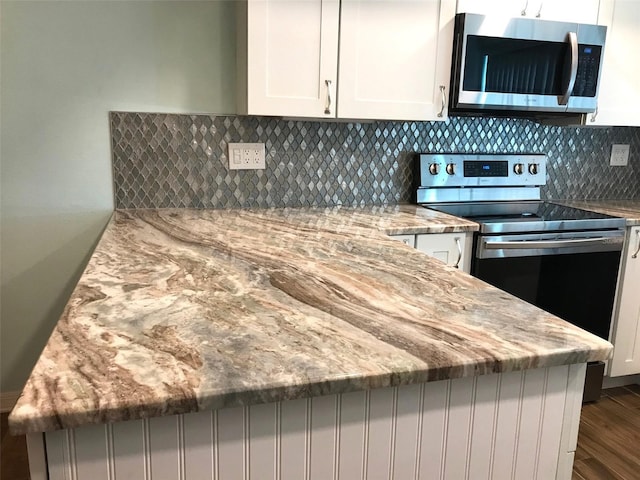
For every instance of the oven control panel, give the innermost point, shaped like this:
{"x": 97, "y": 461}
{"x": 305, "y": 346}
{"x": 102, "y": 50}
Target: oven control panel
{"x": 485, "y": 170}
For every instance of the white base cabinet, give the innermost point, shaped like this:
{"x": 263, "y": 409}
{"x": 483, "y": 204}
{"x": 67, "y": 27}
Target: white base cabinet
{"x": 512, "y": 425}
{"x": 626, "y": 323}
{"x": 451, "y": 248}
{"x": 406, "y": 239}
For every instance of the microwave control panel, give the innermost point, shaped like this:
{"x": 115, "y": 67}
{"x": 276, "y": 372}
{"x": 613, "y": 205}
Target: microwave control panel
{"x": 588, "y": 69}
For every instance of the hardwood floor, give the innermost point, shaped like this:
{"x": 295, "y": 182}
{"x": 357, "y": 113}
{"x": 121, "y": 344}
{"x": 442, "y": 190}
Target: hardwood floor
{"x": 608, "y": 441}
{"x": 609, "y": 437}
{"x": 13, "y": 454}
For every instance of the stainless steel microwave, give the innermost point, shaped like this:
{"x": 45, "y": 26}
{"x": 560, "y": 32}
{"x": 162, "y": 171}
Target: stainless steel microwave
{"x": 525, "y": 65}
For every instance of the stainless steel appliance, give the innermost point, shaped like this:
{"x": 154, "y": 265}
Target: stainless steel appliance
{"x": 562, "y": 259}
{"x": 526, "y": 65}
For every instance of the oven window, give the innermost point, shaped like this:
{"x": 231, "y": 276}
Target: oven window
{"x": 579, "y": 288}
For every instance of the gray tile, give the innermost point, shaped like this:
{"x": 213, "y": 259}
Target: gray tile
{"x": 164, "y": 160}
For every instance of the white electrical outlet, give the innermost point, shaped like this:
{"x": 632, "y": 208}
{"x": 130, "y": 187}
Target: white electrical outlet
{"x": 246, "y": 156}
{"x": 619, "y": 155}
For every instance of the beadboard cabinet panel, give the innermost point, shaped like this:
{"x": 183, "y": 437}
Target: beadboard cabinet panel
{"x": 491, "y": 426}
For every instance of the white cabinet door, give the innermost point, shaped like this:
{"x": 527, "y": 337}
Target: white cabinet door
{"x": 626, "y": 331}
{"x": 395, "y": 59}
{"x": 292, "y": 51}
{"x": 450, "y": 248}
{"x": 505, "y": 8}
{"x": 579, "y": 11}
{"x": 619, "y": 95}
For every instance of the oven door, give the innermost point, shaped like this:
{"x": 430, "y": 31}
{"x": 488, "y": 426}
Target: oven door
{"x": 572, "y": 275}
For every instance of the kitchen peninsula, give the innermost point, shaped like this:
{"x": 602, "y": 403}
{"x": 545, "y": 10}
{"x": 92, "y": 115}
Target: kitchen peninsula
{"x": 298, "y": 343}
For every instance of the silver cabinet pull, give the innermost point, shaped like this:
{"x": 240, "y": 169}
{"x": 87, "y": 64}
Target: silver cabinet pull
{"x": 444, "y": 102}
{"x": 539, "y": 10}
{"x": 572, "y": 38}
{"x": 635, "y": 255}
{"x": 327, "y": 108}
{"x": 594, "y": 115}
{"x": 459, "y": 245}
{"x": 524, "y": 10}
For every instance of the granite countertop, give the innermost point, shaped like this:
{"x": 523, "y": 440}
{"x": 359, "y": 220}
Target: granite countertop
{"x": 629, "y": 209}
{"x": 187, "y": 310}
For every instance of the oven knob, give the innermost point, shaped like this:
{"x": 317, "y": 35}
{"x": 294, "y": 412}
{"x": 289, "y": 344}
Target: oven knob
{"x": 451, "y": 168}
{"x": 533, "y": 168}
{"x": 434, "y": 168}
{"x": 518, "y": 168}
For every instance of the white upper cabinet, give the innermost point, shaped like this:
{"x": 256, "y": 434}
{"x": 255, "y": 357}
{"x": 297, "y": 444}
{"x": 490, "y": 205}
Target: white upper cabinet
{"x": 505, "y": 8}
{"x": 292, "y": 46}
{"x": 619, "y": 94}
{"x": 579, "y": 11}
{"x": 393, "y": 58}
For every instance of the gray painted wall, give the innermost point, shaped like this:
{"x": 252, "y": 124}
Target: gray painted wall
{"x": 64, "y": 66}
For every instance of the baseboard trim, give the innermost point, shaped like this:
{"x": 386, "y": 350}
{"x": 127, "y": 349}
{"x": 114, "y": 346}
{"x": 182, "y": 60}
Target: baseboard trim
{"x": 8, "y": 401}
{"x": 612, "y": 382}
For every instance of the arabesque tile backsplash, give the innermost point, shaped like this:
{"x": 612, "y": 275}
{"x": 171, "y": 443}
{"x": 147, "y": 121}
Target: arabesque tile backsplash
{"x": 168, "y": 160}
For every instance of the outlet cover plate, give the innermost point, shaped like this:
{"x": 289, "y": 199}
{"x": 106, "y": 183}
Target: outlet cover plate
{"x": 246, "y": 156}
{"x": 619, "y": 155}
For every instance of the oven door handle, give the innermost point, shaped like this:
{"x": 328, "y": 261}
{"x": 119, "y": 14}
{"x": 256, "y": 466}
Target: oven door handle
{"x": 539, "y": 244}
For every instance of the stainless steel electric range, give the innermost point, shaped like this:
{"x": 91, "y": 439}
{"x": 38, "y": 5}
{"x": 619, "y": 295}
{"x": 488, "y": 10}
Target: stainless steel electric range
{"x": 564, "y": 260}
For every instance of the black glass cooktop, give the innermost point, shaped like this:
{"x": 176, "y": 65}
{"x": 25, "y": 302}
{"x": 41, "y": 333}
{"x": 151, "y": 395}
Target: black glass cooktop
{"x": 528, "y": 216}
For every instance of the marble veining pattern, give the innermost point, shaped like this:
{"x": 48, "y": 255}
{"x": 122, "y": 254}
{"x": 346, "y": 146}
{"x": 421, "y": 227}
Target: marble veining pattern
{"x": 187, "y": 310}
{"x": 629, "y": 209}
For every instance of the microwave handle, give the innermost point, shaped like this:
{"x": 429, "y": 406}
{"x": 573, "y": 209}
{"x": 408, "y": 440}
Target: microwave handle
{"x": 573, "y": 48}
